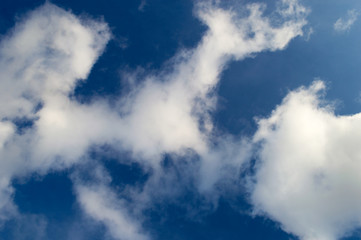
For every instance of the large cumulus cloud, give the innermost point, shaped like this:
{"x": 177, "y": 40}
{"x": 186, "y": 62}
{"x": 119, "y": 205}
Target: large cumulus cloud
{"x": 307, "y": 176}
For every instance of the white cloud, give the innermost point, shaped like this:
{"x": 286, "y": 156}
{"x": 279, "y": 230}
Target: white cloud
{"x": 163, "y": 113}
{"x": 345, "y": 24}
{"x": 174, "y": 104}
{"x": 41, "y": 60}
{"x": 7, "y": 129}
{"x": 100, "y": 202}
{"x": 44, "y": 57}
{"x": 307, "y": 176}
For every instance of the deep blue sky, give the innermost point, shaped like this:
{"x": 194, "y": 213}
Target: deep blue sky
{"x": 249, "y": 88}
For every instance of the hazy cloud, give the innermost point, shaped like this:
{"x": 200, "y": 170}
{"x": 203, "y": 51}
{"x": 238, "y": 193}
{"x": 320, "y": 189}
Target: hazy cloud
{"x": 344, "y": 24}
{"x": 142, "y": 5}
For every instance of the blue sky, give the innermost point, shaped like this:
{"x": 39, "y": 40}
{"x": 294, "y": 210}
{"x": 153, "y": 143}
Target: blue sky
{"x": 152, "y": 120}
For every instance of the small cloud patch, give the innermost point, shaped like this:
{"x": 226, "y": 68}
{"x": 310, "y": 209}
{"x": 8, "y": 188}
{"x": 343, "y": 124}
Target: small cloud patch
{"x": 344, "y": 24}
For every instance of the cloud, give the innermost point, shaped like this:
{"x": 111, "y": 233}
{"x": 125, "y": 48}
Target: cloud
{"x": 169, "y": 112}
{"x": 180, "y": 102}
{"x": 41, "y": 60}
{"x": 27, "y": 226}
{"x": 142, "y": 5}
{"x": 345, "y": 24}
{"x": 101, "y": 202}
{"x": 307, "y": 172}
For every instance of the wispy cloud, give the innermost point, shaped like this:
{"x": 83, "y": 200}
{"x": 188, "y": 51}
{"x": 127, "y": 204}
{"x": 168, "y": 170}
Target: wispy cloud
{"x": 100, "y": 202}
{"x": 345, "y": 23}
{"x": 142, "y": 5}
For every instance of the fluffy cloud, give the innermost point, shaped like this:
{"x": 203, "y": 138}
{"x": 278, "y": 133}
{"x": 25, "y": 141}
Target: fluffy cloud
{"x": 180, "y": 102}
{"x": 42, "y": 59}
{"x": 345, "y": 24}
{"x": 307, "y": 176}
{"x": 169, "y": 113}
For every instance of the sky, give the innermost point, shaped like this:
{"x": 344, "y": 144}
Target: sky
{"x": 192, "y": 119}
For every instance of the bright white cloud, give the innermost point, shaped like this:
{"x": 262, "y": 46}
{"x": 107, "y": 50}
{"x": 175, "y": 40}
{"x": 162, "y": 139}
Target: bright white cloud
{"x": 180, "y": 104}
{"x": 40, "y": 62}
{"x": 307, "y": 176}
{"x": 44, "y": 57}
{"x": 344, "y": 24}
